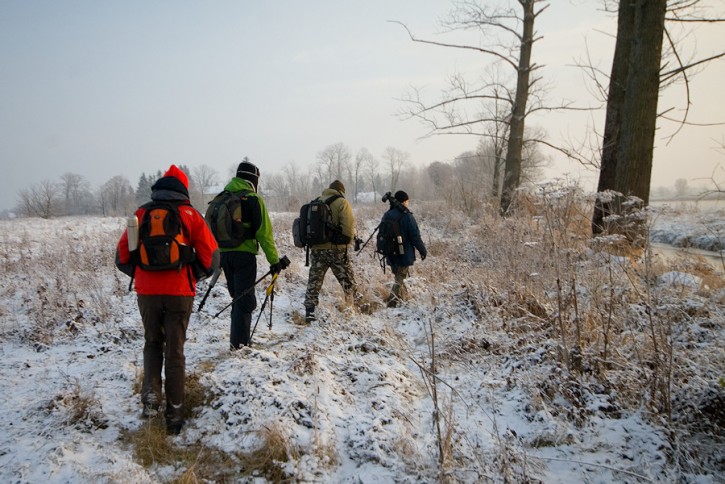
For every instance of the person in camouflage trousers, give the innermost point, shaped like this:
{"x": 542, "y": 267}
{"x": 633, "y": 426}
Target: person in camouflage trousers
{"x": 332, "y": 255}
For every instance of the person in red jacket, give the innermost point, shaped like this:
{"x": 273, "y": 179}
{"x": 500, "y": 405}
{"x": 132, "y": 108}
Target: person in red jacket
{"x": 166, "y": 297}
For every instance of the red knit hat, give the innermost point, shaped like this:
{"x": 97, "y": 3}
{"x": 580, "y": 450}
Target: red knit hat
{"x": 178, "y": 174}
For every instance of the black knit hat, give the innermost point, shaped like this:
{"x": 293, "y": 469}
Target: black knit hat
{"x": 337, "y": 185}
{"x": 248, "y": 171}
{"x": 401, "y": 196}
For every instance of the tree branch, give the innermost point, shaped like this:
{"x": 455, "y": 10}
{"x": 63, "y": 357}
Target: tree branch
{"x": 456, "y": 46}
{"x": 670, "y": 74}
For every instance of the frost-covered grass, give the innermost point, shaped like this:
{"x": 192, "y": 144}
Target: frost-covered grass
{"x": 527, "y": 352}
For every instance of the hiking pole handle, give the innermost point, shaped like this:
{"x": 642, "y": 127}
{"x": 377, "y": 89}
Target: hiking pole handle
{"x": 244, "y": 293}
{"x": 214, "y": 278}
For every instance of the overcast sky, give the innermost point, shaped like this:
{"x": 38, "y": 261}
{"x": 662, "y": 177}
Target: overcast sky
{"x": 125, "y": 87}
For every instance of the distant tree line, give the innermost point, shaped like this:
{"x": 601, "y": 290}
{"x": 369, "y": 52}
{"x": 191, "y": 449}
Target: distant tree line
{"x": 469, "y": 181}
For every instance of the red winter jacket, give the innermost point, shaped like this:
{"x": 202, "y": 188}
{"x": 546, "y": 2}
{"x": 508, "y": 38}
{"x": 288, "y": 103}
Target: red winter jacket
{"x": 172, "y": 188}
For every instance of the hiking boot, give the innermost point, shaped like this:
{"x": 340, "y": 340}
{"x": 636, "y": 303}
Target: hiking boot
{"x": 310, "y": 314}
{"x": 392, "y": 301}
{"x": 150, "y": 410}
{"x": 174, "y": 425}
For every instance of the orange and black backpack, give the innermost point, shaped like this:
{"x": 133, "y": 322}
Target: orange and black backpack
{"x": 162, "y": 239}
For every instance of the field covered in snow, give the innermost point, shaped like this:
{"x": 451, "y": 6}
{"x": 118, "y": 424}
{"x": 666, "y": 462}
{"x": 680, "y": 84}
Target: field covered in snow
{"x": 525, "y": 354}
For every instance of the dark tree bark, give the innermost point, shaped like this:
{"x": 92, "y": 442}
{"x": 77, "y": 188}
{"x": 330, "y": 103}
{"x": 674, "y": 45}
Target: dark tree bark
{"x": 613, "y": 120}
{"x": 631, "y": 118}
{"x": 512, "y": 172}
{"x": 639, "y": 110}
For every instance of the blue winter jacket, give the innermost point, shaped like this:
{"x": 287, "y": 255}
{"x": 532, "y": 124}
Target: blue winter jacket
{"x": 411, "y": 238}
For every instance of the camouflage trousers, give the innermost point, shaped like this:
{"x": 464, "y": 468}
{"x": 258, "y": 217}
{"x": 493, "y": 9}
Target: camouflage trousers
{"x": 339, "y": 262}
{"x": 398, "y": 292}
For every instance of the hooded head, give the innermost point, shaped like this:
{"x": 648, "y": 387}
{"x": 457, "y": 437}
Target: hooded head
{"x": 174, "y": 183}
{"x": 401, "y": 196}
{"x": 337, "y": 185}
{"x": 248, "y": 171}
{"x": 178, "y": 174}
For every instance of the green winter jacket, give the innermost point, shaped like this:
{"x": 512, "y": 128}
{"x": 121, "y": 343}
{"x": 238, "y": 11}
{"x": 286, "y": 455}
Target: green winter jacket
{"x": 263, "y": 237}
{"x": 342, "y": 217}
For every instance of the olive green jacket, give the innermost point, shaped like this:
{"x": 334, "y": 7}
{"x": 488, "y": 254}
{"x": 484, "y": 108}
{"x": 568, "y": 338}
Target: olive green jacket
{"x": 263, "y": 237}
{"x": 342, "y": 217}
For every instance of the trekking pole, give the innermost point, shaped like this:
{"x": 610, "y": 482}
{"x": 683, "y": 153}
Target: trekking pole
{"x": 366, "y": 242}
{"x": 214, "y": 278}
{"x": 269, "y": 296}
{"x": 283, "y": 263}
{"x": 244, "y": 293}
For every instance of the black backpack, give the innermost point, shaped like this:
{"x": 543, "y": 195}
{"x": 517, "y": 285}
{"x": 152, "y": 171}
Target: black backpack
{"x": 390, "y": 240}
{"x": 314, "y": 225}
{"x": 162, "y": 239}
{"x": 227, "y": 215}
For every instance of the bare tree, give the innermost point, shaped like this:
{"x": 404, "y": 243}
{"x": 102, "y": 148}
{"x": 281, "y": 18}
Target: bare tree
{"x": 204, "y": 178}
{"x": 362, "y": 159}
{"x": 441, "y": 175}
{"x": 507, "y": 37}
{"x": 335, "y": 161}
{"x": 41, "y": 200}
{"x": 76, "y": 192}
{"x": 680, "y": 187}
{"x": 396, "y": 161}
{"x": 277, "y": 185}
{"x": 117, "y": 196}
{"x": 494, "y": 140}
{"x": 298, "y": 182}
{"x": 470, "y": 175}
{"x": 371, "y": 169}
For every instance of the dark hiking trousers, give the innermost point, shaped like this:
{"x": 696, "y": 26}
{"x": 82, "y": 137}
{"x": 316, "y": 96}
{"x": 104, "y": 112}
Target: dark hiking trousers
{"x": 165, "y": 319}
{"x": 240, "y": 271}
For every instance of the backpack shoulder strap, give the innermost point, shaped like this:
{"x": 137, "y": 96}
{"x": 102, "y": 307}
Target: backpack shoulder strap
{"x": 332, "y": 199}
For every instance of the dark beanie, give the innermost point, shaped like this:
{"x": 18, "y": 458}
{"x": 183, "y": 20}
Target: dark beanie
{"x": 401, "y": 196}
{"x": 337, "y": 185}
{"x": 248, "y": 171}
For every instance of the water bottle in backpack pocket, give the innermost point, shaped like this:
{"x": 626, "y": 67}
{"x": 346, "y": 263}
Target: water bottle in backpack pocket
{"x": 389, "y": 241}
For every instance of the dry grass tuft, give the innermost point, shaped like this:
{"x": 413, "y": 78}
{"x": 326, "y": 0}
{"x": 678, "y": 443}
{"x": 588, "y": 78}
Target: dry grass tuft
{"x": 195, "y": 394}
{"x": 268, "y": 459}
{"x": 150, "y": 444}
{"x": 196, "y": 462}
{"x": 82, "y": 409}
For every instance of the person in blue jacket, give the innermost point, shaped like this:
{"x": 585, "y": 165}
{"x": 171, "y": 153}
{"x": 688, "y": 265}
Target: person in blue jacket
{"x": 400, "y": 264}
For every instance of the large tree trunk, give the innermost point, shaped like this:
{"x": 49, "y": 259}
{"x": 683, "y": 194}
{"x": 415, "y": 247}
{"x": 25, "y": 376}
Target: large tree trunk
{"x": 512, "y": 173}
{"x": 613, "y": 121}
{"x": 639, "y": 111}
{"x": 632, "y": 105}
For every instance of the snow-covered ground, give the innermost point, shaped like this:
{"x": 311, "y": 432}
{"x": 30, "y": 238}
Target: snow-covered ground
{"x": 353, "y": 394}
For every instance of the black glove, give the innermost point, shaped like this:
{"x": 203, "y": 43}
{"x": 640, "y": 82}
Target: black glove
{"x": 279, "y": 266}
{"x": 423, "y": 255}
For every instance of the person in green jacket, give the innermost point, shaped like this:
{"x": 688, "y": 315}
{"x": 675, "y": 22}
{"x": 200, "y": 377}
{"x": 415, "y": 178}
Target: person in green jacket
{"x": 332, "y": 255}
{"x": 240, "y": 263}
